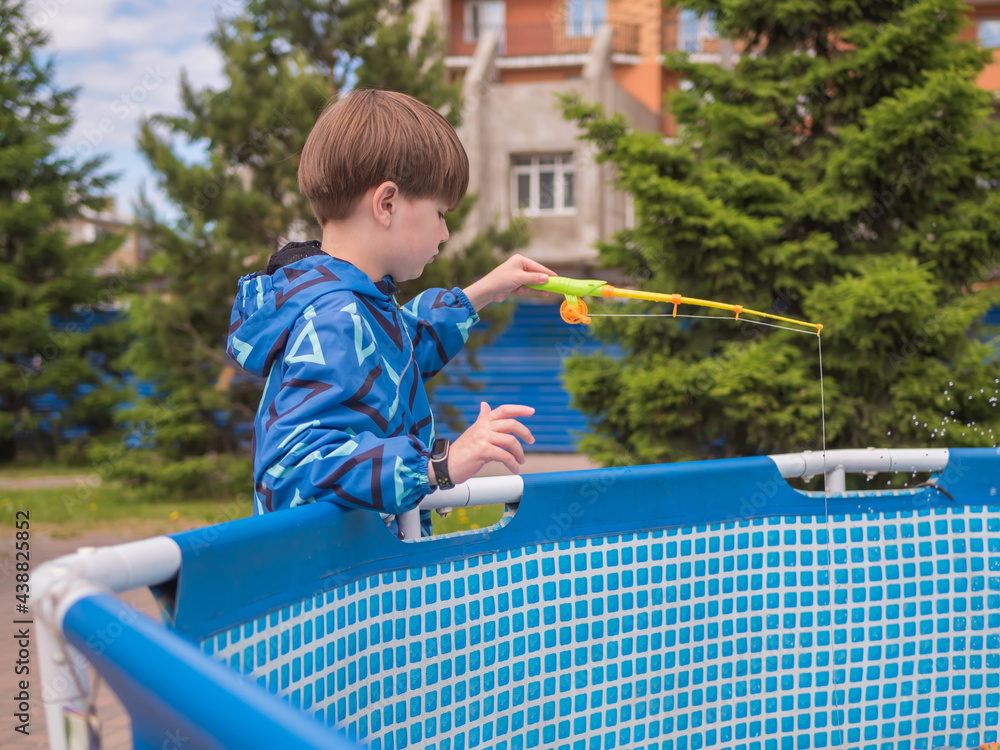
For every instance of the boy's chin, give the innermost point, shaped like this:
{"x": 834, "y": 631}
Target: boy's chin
{"x": 408, "y": 274}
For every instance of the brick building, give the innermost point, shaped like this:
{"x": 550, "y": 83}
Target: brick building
{"x": 514, "y": 56}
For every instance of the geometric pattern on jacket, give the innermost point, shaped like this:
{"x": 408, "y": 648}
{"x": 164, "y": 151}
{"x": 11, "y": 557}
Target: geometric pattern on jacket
{"x": 344, "y": 416}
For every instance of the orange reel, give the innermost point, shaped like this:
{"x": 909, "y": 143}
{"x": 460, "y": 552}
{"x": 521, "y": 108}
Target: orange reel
{"x": 574, "y": 313}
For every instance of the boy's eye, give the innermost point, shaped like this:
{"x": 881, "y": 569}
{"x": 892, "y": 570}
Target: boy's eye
{"x": 440, "y": 215}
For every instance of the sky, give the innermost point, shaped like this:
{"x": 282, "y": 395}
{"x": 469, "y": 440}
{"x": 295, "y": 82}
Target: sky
{"x": 127, "y": 56}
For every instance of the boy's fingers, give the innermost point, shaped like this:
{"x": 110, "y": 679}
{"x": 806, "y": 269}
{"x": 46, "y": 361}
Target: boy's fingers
{"x": 484, "y": 410}
{"x": 501, "y": 456}
{"x": 533, "y": 265}
{"x": 513, "y": 427}
{"x": 512, "y": 410}
{"x": 510, "y": 444}
{"x": 534, "y": 278}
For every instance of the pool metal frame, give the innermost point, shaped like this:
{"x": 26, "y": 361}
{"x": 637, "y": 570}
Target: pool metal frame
{"x": 165, "y": 680}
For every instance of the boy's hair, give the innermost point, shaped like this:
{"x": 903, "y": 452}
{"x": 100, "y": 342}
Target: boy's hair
{"x": 369, "y": 137}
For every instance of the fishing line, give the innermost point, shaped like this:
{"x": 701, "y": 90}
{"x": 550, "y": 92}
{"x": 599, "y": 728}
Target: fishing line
{"x": 703, "y": 317}
{"x": 574, "y": 311}
{"x": 831, "y": 589}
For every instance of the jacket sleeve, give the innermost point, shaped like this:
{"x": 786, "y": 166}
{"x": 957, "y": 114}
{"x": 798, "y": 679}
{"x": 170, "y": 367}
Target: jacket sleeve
{"x": 438, "y": 322}
{"x": 320, "y": 436}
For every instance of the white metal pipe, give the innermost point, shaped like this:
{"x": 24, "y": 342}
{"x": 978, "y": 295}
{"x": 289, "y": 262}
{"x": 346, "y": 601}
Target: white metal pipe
{"x": 58, "y": 584}
{"x": 864, "y": 461}
{"x": 477, "y": 491}
{"x": 836, "y": 480}
{"x": 409, "y": 524}
{"x": 63, "y": 672}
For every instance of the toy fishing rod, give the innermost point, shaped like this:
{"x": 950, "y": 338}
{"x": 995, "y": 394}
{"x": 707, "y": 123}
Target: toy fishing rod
{"x": 574, "y": 309}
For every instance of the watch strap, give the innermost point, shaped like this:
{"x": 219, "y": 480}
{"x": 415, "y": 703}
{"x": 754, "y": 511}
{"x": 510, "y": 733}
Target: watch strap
{"x": 439, "y": 460}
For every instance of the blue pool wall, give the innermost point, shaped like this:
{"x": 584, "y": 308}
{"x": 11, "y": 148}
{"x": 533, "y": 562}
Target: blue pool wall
{"x": 598, "y": 616}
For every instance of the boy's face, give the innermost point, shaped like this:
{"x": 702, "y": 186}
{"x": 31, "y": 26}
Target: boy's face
{"x": 416, "y": 234}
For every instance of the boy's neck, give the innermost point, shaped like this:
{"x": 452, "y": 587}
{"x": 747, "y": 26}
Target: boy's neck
{"x": 346, "y": 240}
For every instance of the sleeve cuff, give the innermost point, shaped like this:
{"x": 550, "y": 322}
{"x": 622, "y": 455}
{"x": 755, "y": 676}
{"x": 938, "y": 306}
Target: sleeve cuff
{"x": 423, "y": 481}
{"x": 460, "y": 295}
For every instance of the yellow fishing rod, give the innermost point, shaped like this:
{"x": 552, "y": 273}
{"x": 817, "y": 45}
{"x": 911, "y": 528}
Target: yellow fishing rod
{"x": 574, "y": 309}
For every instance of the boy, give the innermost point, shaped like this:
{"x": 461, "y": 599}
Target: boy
{"x": 344, "y": 416}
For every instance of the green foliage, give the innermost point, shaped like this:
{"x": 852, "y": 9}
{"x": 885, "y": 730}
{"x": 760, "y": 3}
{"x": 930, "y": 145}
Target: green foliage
{"x": 845, "y": 173}
{"x": 367, "y": 45}
{"x": 50, "y": 298}
{"x": 283, "y": 62}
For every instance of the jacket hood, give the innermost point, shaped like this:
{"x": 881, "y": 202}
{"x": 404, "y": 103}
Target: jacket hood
{"x": 269, "y": 302}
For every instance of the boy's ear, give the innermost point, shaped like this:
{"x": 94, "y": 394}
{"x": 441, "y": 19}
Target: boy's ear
{"x": 385, "y": 202}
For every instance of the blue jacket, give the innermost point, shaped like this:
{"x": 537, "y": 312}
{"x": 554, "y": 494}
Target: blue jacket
{"x": 344, "y": 416}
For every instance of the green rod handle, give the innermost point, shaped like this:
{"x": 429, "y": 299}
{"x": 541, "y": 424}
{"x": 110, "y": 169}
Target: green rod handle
{"x": 571, "y": 287}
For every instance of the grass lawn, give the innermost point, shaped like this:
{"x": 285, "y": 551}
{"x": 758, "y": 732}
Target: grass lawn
{"x": 72, "y": 510}
{"x": 68, "y": 511}
{"x": 476, "y": 517}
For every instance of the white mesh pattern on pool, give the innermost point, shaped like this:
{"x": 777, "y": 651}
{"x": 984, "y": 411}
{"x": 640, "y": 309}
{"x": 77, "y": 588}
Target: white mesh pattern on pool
{"x": 714, "y": 636}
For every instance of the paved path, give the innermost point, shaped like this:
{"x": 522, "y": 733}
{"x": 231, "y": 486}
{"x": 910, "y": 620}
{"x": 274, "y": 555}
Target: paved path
{"x": 116, "y": 727}
{"x": 44, "y": 483}
{"x": 114, "y": 720}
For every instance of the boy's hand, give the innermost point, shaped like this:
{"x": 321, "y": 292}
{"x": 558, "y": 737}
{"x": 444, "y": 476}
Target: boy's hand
{"x": 509, "y": 276}
{"x": 491, "y": 438}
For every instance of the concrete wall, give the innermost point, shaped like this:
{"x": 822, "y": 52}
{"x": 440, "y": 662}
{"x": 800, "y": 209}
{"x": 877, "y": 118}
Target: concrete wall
{"x": 426, "y": 10}
{"x": 502, "y": 119}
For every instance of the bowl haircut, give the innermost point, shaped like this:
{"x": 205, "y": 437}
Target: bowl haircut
{"x": 369, "y": 137}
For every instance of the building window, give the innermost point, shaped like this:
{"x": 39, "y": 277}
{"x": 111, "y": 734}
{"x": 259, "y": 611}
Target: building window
{"x": 585, "y": 17}
{"x": 544, "y": 185}
{"x": 484, "y": 15}
{"x": 694, "y": 30}
{"x": 989, "y": 33}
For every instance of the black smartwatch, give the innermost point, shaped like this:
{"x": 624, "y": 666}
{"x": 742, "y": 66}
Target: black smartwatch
{"x": 439, "y": 460}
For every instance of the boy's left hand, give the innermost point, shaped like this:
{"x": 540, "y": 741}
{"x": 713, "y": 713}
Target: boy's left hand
{"x": 509, "y": 276}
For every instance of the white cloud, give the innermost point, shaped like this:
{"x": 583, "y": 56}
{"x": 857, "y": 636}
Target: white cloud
{"x": 127, "y": 59}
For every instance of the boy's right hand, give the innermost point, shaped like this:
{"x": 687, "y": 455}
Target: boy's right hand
{"x": 491, "y": 438}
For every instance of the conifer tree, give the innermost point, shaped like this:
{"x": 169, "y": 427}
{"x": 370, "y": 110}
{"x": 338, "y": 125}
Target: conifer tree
{"x": 52, "y": 303}
{"x": 844, "y": 172}
{"x": 238, "y": 206}
{"x": 366, "y": 45}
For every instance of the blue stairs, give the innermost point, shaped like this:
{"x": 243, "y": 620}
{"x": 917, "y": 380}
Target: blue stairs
{"x": 524, "y": 366}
